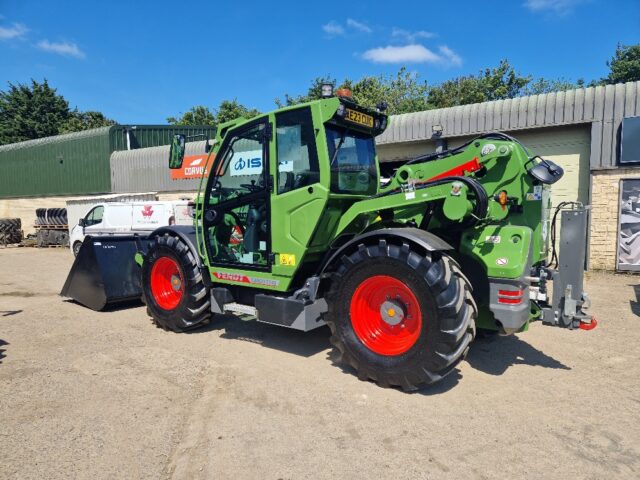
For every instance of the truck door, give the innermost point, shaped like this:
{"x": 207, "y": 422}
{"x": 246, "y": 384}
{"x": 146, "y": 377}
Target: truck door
{"x": 93, "y": 220}
{"x": 299, "y": 198}
{"x": 236, "y": 218}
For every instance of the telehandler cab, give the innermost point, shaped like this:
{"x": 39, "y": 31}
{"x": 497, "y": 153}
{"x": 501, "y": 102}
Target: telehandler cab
{"x": 293, "y": 228}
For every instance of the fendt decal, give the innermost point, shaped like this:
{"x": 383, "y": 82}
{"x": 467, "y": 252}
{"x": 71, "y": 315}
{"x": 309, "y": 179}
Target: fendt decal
{"x": 238, "y": 277}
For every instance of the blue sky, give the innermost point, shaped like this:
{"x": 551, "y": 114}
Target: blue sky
{"x": 141, "y": 61}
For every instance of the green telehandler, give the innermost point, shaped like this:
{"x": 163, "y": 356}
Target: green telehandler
{"x": 294, "y": 226}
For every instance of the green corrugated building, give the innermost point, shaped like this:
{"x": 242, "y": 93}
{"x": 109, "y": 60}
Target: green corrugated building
{"x": 77, "y": 163}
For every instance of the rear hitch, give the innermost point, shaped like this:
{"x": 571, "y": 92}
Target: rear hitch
{"x": 568, "y": 300}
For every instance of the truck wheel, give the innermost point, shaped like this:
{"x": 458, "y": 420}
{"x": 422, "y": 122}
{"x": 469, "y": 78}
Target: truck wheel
{"x": 76, "y": 248}
{"x": 398, "y": 317}
{"x": 176, "y": 296}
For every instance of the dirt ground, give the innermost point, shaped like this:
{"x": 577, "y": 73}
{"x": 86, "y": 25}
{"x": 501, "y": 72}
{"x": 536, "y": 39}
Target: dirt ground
{"x": 91, "y": 395}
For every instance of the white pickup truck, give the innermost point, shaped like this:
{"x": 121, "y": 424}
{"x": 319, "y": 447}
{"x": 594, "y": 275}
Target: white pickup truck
{"x": 131, "y": 217}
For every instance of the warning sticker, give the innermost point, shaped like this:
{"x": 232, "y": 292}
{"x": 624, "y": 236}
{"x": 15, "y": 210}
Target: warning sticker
{"x": 287, "y": 259}
{"x": 502, "y": 261}
{"x": 536, "y": 194}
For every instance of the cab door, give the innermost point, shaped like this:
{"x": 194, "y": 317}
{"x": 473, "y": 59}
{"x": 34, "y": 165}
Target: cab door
{"x": 299, "y": 198}
{"x": 236, "y": 216}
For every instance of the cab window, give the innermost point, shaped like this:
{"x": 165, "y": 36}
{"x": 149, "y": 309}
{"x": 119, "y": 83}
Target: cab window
{"x": 353, "y": 162}
{"x": 94, "y": 217}
{"x": 296, "y": 150}
{"x": 241, "y": 169}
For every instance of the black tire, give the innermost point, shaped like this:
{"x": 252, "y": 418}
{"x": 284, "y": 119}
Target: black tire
{"x": 64, "y": 220}
{"x": 76, "y": 248}
{"x": 41, "y": 216}
{"x": 10, "y": 224}
{"x": 194, "y": 307}
{"x": 9, "y": 238}
{"x": 447, "y": 309}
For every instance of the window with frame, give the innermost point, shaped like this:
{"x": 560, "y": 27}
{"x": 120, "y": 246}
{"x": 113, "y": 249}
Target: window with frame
{"x": 296, "y": 150}
{"x": 94, "y": 217}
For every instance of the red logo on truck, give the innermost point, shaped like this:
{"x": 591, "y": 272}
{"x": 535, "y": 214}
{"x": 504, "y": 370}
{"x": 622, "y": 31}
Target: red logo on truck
{"x": 147, "y": 211}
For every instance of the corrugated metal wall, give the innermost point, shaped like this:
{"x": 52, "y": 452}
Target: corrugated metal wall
{"x": 147, "y": 169}
{"x": 603, "y": 107}
{"x": 75, "y": 163}
{"x": 144, "y": 136}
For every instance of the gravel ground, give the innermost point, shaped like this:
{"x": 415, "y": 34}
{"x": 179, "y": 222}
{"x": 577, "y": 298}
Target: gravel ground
{"x": 108, "y": 395}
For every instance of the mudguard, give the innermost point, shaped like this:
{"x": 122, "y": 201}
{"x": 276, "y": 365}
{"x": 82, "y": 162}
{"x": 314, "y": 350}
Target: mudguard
{"x": 186, "y": 233}
{"x": 424, "y": 239}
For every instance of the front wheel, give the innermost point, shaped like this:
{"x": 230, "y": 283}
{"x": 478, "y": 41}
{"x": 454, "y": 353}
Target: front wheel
{"x": 400, "y": 317}
{"x": 76, "y": 248}
{"x": 174, "y": 291}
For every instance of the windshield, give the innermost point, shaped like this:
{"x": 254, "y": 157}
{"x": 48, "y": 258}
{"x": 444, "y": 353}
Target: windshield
{"x": 353, "y": 164}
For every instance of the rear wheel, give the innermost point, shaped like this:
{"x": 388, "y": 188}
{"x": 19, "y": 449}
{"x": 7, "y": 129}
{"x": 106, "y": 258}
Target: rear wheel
{"x": 400, "y": 317}
{"x": 176, "y": 296}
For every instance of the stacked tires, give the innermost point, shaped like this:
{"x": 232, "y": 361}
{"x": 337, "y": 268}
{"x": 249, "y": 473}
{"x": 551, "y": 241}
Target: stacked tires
{"x": 51, "y": 227}
{"x": 51, "y": 216}
{"x": 10, "y": 231}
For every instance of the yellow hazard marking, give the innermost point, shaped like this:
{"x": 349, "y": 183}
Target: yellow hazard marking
{"x": 287, "y": 259}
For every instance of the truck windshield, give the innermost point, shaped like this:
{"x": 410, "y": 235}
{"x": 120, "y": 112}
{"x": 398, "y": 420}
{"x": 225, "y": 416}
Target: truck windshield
{"x": 353, "y": 163}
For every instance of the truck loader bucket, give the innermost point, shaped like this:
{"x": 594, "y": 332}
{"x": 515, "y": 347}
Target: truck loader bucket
{"x": 105, "y": 272}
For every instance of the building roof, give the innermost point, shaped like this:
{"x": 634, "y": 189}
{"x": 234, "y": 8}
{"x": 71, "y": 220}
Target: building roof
{"x": 94, "y": 132}
{"x": 603, "y": 107}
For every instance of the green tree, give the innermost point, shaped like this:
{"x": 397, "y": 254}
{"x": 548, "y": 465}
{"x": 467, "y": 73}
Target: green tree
{"x": 29, "y": 111}
{"x": 198, "y": 115}
{"x": 226, "y": 111}
{"x": 78, "y": 121}
{"x": 624, "y": 66}
{"x": 402, "y": 93}
{"x": 230, "y": 110}
{"x": 496, "y": 83}
{"x": 542, "y": 85}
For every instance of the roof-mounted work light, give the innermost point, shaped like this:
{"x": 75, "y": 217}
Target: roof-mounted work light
{"x": 326, "y": 90}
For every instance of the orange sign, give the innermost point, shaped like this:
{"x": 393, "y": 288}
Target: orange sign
{"x": 193, "y": 166}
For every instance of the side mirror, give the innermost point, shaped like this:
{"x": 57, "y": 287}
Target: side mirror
{"x": 546, "y": 172}
{"x": 176, "y": 152}
{"x": 81, "y": 222}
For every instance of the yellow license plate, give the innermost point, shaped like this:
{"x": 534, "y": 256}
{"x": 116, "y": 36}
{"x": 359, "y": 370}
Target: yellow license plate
{"x": 359, "y": 118}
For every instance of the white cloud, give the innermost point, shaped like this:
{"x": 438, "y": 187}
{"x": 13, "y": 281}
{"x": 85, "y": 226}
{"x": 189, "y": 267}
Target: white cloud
{"x": 17, "y": 30}
{"x": 61, "y": 48}
{"x": 333, "y": 29}
{"x": 449, "y": 56}
{"x": 361, "y": 27}
{"x": 411, "y": 37}
{"x": 407, "y": 54}
{"x": 558, "y": 6}
{"x": 414, "y": 53}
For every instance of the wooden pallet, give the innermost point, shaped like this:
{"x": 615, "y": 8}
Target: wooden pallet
{"x": 51, "y": 227}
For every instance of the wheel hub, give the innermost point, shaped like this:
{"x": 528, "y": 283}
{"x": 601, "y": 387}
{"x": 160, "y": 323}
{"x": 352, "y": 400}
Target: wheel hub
{"x": 392, "y": 312}
{"x": 167, "y": 283}
{"x": 385, "y": 315}
{"x": 176, "y": 282}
